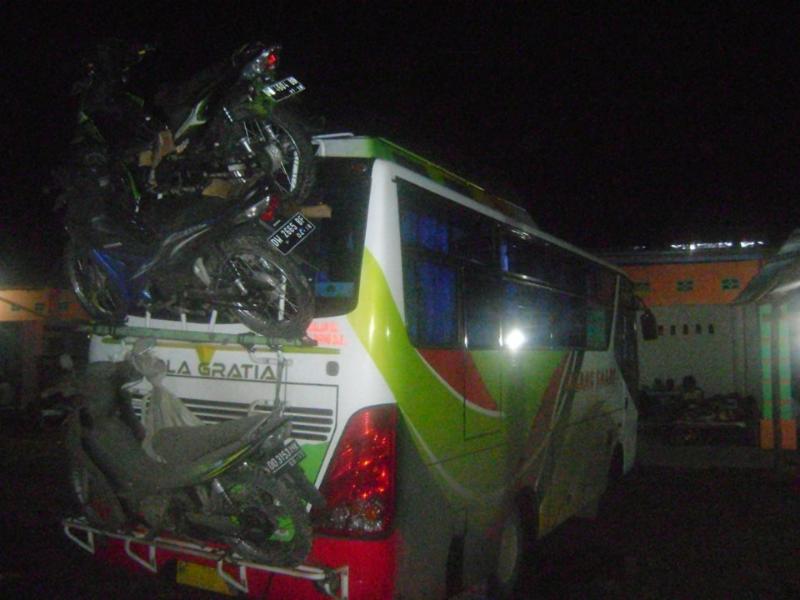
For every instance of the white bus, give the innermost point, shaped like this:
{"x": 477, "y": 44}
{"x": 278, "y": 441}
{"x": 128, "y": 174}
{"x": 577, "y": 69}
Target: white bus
{"x": 471, "y": 386}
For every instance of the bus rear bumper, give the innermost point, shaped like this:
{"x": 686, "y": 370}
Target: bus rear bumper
{"x": 335, "y": 568}
{"x": 371, "y": 568}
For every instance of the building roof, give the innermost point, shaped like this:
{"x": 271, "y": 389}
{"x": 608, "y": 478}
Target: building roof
{"x": 684, "y": 253}
{"x": 779, "y": 275}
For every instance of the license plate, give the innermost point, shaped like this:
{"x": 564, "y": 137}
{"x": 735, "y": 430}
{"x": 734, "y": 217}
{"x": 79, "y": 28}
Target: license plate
{"x": 201, "y": 576}
{"x": 283, "y": 89}
{"x": 290, "y": 455}
{"x": 291, "y": 233}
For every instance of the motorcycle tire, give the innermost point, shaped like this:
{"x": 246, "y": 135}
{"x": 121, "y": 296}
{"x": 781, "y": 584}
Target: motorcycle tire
{"x": 98, "y": 296}
{"x": 265, "y": 308}
{"x": 285, "y": 151}
{"x": 291, "y": 546}
{"x": 91, "y": 490}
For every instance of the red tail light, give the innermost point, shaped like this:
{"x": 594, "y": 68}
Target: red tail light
{"x": 271, "y": 59}
{"x": 268, "y": 215}
{"x": 360, "y": 483}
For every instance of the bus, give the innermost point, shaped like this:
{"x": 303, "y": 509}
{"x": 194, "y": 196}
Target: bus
{"x": 470, "y": 386}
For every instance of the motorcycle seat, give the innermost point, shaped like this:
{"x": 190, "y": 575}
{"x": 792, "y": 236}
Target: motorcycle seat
{"x": 106, "y": 231}
{"x": 176, "y": 99}
{"x": 184, "y": 445}
{"x": 184, "y": 212}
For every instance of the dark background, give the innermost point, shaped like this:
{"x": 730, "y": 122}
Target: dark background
{"x": 614, "y": 131}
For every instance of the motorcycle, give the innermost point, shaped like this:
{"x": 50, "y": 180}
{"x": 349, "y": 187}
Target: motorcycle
{"x": 227, "y": 259}
{"x": 226, "y": 125}
{"x": 236, "y": 483}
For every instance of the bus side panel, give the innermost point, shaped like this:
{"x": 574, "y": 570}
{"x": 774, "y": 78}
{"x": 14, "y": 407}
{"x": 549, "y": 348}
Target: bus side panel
{"x": 428, "y": 522}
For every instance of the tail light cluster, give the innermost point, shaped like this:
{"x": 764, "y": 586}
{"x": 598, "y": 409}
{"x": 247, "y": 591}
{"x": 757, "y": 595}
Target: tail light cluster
{"x": 268, "y": 214}
{"x": 270, "y": 58}
{"x": 359, "y": 485}
{"x": 264, "y": 63}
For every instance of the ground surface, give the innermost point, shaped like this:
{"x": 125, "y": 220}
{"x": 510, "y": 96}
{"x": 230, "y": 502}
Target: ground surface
{"x": 671, "y": 532}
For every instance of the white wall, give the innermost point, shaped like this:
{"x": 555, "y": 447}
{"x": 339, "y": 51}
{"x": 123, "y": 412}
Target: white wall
{"x": 723, "y": 356}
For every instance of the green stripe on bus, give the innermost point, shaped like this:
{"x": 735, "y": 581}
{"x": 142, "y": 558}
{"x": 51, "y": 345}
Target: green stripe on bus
{"x": 433, "y": 411}
{"x": 312, "y": 463}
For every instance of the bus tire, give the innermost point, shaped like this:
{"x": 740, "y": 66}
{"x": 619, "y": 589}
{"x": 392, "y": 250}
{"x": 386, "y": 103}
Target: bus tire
{"x": 454, "y": 570}
{"x": 517, "y": 550}
{"x": 616, "y": 471}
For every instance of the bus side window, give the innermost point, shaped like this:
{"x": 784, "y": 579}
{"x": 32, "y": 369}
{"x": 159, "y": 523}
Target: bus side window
{"x": 424, "y": 231}
{"x": 571, "y": 328}
{"x": 430, "y": 300}
{"x": 472, "y": 239}
{"x": 481, "y": 311}
{"x": 600, "y": 288}
{"x": 432, "y": 223}
{"x": 545, "y": 318}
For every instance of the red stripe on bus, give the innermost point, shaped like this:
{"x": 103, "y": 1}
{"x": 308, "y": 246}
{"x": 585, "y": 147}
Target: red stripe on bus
{"x": 458, "y": 369}
{"x": 541, "y": 423}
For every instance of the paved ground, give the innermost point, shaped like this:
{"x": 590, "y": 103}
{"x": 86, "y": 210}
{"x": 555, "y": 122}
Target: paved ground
{"x": 673, "y": 532}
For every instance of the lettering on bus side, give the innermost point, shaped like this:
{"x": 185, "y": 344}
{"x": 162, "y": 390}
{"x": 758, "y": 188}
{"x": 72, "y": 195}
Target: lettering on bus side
{"x": 591, "y": 380}
{"x": 222, "y": 370}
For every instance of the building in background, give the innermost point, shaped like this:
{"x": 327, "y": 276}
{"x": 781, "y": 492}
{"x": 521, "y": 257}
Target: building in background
{"x": 31, "y": 338}
{"x": 691, "y": 289}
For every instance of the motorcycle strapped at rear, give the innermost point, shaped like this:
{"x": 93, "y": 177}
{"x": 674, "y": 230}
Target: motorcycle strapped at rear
{"x": 231, "y": 156}
{"x": 237, "y": 483}
{"x": 227, "y": 124}
{"x": 209, "y": 258}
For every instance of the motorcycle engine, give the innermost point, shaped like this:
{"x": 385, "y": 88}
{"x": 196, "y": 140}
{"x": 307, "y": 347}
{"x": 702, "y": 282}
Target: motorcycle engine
{"x": 256, "y": 525}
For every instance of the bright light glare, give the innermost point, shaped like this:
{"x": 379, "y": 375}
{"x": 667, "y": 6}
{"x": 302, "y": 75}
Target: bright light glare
{"x": 692, "y": 246}
{"x": 514, "y": 340}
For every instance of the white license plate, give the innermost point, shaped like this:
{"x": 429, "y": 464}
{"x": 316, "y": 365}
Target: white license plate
{"x": 283, "y": 89}
{"x": 286, "y": 457}
{"x": 291, "y": 233}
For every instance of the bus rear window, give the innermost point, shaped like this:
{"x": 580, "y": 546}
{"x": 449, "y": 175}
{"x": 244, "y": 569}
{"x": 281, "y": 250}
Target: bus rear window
{"x": 331, "y": 256}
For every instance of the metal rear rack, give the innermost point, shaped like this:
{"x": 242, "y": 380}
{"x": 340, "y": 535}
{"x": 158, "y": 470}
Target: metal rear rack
{"x": 193, "y": 336}
{"x": 144, "y": 551}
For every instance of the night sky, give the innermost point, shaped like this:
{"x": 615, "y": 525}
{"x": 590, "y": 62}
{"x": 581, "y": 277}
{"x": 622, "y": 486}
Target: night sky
{"x": 613, "y": 131}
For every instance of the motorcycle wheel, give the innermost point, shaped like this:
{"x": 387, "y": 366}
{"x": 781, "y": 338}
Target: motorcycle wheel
{"x": 285, "y": 152}
{"x": 95, "y": 498}
{"x": 278, "y": 301}
{"x": 97, "y": 294}
{"x": 290, "y": 544}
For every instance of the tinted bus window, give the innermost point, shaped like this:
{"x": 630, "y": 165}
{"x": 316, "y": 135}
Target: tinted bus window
{"x": 482, "y": 310}
{"x": 525, "y": 255}
{"x": 430, "y": 222}
{"x": 331, "y": 256}
{"x": 429, "y": 290}
{"x": 601, "y": 287}
{"x": 545, "y": 318}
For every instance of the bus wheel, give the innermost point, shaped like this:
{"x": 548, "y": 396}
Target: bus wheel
{"x": 454, "y": 571}
{"x": 616, "y": 471}
{"x": 517, "y": 549}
